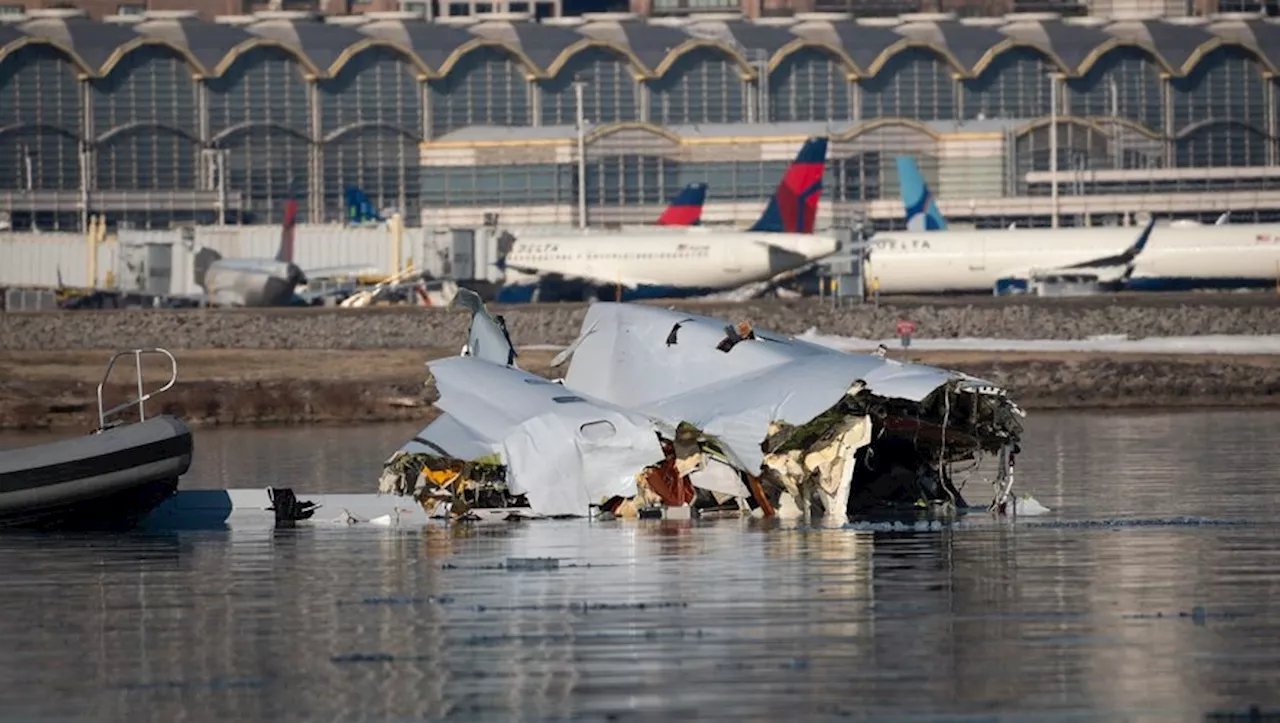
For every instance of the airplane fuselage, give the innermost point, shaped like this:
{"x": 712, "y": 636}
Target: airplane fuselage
{"x": 659, "y": 264}
{"x": 252, "y": 282}
{"x": 1176, "y": 258}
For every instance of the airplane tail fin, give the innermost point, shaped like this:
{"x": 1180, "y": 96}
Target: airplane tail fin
{"x": 686, "y": 207}
{"x": 359, "y": 208}
{"x": 204, "y": 259}
{"x": 794, "y": 205}
{"x": 285, "y": 252}
{"x": 921, "y": 207}
{"x": 487, "y": 337}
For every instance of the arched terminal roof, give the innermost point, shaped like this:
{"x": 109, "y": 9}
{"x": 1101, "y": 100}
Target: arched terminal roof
{"x": 1251, "y": 31}
{"x": 540, "y": 44}
{"x": 652, "y": 47}
{"x": 656, "y": 46}
{"x": 863, "y": 47}
{"x": 1176, "y": 44}
{"x": 965, "y": 44}
{"x": 1070, "y": 43}
{"x": 90, "y": 44}
{"x": 751, "y": 40}
{"x": 208, "y": 44}
{"x": 438, "y": 45}
{"x": 327, "y": 46}
{"x": 9, "y": 35}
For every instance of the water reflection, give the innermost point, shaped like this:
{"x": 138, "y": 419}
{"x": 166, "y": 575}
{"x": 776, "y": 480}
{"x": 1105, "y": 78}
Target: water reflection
{"x": 705, "y": 619}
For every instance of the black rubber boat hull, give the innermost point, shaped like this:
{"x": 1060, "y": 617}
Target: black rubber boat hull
{"x": 107, "y": 481}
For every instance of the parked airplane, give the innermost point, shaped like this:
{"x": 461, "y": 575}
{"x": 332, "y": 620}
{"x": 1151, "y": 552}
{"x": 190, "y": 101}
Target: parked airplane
{"x": 259, "y": 282}
{"x": 1173, "y": 257}
{"x": 639, "y": 264}
{"x": 1228, "y": 256}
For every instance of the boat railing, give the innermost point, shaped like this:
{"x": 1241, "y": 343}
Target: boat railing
{"x": 105, "y": 414}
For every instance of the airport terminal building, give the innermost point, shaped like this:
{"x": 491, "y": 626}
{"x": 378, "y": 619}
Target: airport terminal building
{"x": 161, "y": 118}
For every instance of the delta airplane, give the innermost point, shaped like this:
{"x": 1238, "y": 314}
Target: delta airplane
{"x": 640, "y": 264}
{"x": 931, "y": 259}
{"x": 258, "y": 282}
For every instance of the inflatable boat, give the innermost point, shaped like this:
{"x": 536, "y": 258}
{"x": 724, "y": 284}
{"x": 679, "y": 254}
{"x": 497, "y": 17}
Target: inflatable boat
{"x": 108, "y": 480}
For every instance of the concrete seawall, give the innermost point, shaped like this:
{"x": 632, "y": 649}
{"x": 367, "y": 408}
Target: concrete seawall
{"x": 401, "y": 328}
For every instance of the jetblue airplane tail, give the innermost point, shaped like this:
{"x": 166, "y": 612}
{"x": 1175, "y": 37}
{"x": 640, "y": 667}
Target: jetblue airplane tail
{"x": 922, "y": 208}
{"x": 359, "y": 209}
{"x": 285, "y": 252}
{"x": 686, "y": 207}
{"x": 794, "y": 205}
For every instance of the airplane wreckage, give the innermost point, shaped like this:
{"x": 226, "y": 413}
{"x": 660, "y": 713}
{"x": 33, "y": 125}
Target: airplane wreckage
{"x": 662, "y": 413}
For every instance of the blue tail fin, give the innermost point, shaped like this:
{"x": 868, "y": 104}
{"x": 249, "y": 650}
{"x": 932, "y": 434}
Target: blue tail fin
{"x": 359, "y": 209}
{"x": 794, "y": 205}
{"x": 921, "y": 207}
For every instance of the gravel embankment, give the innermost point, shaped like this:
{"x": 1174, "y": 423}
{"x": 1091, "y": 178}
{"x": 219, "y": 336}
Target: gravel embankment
{"x": 399, "y": 328}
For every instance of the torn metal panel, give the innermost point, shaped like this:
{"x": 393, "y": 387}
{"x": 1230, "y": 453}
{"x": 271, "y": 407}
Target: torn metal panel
{"x": 563, "y": 451}
{"x": 624, "y": 357}
{"x": 734, "y": 396}
{"x": 563, "y": 467}
{"x": 808, "y": 419}
{"x": 718, "y": 477}
{"x": 447, "y": 436}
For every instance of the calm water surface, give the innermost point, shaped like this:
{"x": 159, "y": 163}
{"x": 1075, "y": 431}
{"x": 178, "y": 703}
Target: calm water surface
{"x": 1147, "y": 594}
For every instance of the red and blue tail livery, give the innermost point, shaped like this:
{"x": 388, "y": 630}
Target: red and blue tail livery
{"x": 686, "y": 207}
{"x": 794, "y": 206}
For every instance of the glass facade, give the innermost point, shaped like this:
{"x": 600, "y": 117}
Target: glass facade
{"x": 264, "y": 118}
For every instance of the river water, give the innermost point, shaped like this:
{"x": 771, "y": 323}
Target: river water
{"x": 1148, "y": 593}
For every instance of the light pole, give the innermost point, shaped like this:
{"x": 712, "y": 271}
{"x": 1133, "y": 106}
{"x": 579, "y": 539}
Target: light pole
{"x": 578, "y": 85}
{"x": 1053, "y": 145}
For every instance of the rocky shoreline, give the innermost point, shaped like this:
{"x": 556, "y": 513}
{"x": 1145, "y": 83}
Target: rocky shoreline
{"x": 233, "y": 387}
{"x": 414, "y": 328}
{"x": 309, "y": 366}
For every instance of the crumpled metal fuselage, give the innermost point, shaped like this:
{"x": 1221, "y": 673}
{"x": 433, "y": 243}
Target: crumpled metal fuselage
{"x": 678, "y": 368}
{"x": 661, "y": 406}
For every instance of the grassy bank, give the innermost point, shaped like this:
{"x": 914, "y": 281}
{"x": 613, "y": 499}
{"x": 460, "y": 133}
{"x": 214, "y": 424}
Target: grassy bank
{"x": 43, "y": 389}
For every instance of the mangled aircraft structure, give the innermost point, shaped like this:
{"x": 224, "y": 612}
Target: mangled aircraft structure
{"x": 663, "y": 412}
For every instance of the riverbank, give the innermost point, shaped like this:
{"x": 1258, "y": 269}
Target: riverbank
{"x": 422, "y": 329}
{"x": 57, "y": 389}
